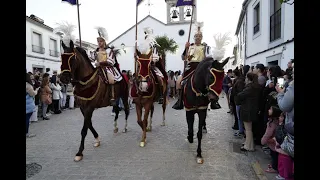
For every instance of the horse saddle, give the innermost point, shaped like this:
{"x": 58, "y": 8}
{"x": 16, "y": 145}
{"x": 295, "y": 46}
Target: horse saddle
{"x": 102, "y": 72}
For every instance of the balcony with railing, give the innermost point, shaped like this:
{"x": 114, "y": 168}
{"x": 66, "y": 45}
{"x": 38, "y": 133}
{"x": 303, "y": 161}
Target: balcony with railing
{"x": 54, "y": 53}
{"x": 38, "y": 49}
{"x": 256, "y": 28}
{"x": 275, "y": 26}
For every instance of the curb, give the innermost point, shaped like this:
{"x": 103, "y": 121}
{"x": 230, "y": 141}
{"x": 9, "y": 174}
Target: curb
{"x": 258, "y": 171}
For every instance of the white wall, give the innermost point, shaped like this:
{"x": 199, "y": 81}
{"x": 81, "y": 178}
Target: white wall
{"x": 261, "y": 41}
{"x": 174, "y": 61}
{"x": 241, "y": 43}
{"x": 38, "y": 59}
{"x": 286, "y": 55}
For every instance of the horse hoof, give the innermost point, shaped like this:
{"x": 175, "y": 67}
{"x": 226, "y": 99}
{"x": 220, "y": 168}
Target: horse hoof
{"x": 142, "y": 144}
{"x": 149, "y": 129}
{"x": 78, "y": 158}
{"x": 199, "y": 160}
{"x": 96, "y": 144}
{"x": 124, "y": 130}
{"x": 115, "y": 130}
{"x": 163, "y": 124}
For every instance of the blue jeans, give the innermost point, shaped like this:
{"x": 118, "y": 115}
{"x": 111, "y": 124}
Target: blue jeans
{"x": 240, "y": 124}
{"x": 28, "y": 116}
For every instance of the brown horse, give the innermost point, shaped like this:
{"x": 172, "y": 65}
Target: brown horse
{"x": 91, "y": 90}
{"x": 147, "y": 87}
{"x": 202, "y": 87}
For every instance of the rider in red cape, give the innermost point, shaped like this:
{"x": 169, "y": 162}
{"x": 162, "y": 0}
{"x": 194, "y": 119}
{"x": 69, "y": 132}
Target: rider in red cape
{"x": 196, "y": 53}
{"x": 106, "y": 58}
{"x": 150, "y": 45}
{"x": 157, "y": 66}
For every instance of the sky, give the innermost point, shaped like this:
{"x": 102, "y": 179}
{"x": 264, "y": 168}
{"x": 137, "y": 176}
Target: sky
{"x": 219, "y": 16}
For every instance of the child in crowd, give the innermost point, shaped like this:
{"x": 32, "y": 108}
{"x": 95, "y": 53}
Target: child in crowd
{"x": 268, "y": 138}
{"x": 285, "y": 162}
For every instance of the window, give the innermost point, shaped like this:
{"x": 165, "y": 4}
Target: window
{"x": 53, "y": 48}
{"x": 256, "y": 18}
{"x": 37, "y": 43}
{"x": 275, "y": 20}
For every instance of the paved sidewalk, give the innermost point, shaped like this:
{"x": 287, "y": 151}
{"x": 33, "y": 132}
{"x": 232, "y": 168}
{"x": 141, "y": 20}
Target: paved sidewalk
{"x": 167, "y": 154}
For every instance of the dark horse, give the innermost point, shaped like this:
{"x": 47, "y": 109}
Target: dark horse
{"x": 91, "y": 90}
{"x": 147, "y": 87}
{"x": 203, "y": 87}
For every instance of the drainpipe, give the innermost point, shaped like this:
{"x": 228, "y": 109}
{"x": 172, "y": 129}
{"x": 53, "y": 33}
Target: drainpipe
{"x": 245, "y": 39}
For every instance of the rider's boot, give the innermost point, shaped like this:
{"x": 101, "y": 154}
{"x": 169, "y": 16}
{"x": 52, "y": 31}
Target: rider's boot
{"x": 179, "y": 104}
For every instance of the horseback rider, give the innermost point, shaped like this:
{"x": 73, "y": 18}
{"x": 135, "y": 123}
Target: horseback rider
{"x": 197, "y": 52}
{"x": 148, "y": 45}
{"x": 106, "y": 58}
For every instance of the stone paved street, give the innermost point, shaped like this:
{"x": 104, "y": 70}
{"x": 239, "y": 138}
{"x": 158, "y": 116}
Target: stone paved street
{"x": 167, "y": 154}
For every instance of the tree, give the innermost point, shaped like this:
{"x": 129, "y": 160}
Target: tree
{"x": 221, "y": 41}
{"x": 166, "y": 46}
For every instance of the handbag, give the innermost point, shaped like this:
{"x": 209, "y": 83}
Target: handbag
{"x": 288, "y": 145}
{"x": 48, "y": 99}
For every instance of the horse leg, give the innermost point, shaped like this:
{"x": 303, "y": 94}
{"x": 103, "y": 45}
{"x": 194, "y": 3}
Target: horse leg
{"x": 139, "y": 114}
{"x": 87, "y": 113}
{"x": 126, "y": 111}
{"x": 202, "y": 114}
{"x": 149, "y": 126}
{"x": 190, "y": 121}
{"x": 94, "y": 132}
{"x": 115, "y": 121}
{"x": 164, "y": 104}
{"x": 147, "y": 107}
{"x": 204, "y": 129}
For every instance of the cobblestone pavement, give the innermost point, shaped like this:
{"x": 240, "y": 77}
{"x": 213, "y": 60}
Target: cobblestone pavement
{"x": 167, "y": 154}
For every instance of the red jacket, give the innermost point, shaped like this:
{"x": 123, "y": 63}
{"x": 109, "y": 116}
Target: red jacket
{"x": 125, "y": 77}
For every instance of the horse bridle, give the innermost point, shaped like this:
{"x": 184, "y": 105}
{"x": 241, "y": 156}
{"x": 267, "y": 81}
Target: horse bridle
{"x": 69, "y": 67}
{"x": 72, "y": 54}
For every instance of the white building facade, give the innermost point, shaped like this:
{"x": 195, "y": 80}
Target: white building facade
{"x": 265, "y": 33}
{"x": 42, "y": 46}
{"x": 175, "y": 28}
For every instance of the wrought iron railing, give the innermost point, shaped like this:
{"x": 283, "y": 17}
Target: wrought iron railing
{"x": 54, "y": 53}
{"x": 275, "y": 26}
{"x": 38, "y": 49}
{"x": 256, "y": 28}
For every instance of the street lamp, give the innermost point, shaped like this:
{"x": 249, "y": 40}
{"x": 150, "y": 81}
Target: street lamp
{"x": 123, "y": 46}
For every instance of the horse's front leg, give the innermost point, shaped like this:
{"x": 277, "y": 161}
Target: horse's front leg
{"x": 147, "y": 107}
{"x": 149, "y": 126}
{"x": 127, "y": 111}
{"x": 87, "y": 113}
{"x": 115, "y": 121}
{"x": 164, "y": 104}
{"x": 190, "y": 121}
{"x": 204, "y": 129}
{"x": 202, "y": 114}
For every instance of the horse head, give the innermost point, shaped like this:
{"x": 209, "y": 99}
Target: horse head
{"x": 209, "y": 76}
{"x": 73, "y": 63}
{"x": 143, "y": 75}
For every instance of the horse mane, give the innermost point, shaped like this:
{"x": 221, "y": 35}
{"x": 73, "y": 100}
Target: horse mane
{"x": 203, "y": 65}
{"x": 85, "y": 55}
